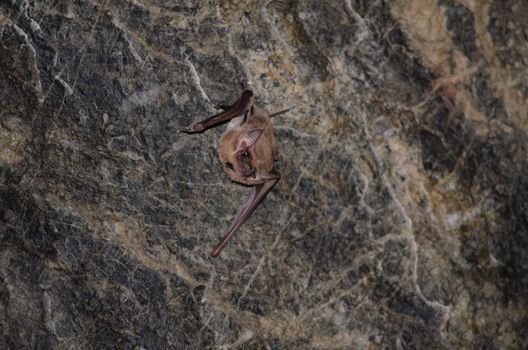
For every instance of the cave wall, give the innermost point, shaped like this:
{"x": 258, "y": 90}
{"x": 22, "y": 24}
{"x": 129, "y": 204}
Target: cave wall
{"x": 400, "y": 222}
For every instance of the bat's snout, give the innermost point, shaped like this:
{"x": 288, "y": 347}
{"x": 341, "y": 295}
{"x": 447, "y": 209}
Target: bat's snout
{"x": 245, "y": 164}
{"x": 248, "y": 172}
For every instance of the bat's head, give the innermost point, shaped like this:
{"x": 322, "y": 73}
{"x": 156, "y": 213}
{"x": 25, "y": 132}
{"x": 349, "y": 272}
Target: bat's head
{"x": 241, "y": 155}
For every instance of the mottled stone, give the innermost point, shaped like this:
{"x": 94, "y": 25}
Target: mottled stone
{"x": 400, "y": 221}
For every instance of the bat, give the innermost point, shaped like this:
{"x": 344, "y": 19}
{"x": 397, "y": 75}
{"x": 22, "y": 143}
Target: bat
{"x": 247, "y": 150}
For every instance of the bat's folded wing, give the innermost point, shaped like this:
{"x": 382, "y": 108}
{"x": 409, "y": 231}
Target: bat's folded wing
{"x": 258, "y": 193}
{"x": 243, "y": 105}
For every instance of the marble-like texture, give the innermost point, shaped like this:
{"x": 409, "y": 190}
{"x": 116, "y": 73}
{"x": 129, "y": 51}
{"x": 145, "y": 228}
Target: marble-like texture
{"x": 401, "y": 221}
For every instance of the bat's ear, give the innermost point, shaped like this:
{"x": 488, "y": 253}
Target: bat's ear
{"x": 248, "y": 139}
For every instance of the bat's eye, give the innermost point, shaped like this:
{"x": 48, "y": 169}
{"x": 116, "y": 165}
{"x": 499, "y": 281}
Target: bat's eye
{"x": 229, "y": 165}
{"x": 245, "y": 154}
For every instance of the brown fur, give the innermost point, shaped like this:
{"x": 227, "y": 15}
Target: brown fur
{"x": 262, "y": 152}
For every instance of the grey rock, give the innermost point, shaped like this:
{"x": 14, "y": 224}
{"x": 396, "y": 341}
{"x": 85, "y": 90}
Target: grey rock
{"x": 400, "y": 222}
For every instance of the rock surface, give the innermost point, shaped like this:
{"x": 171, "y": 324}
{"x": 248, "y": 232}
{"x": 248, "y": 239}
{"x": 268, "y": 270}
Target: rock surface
{"x": 401, "y": 221}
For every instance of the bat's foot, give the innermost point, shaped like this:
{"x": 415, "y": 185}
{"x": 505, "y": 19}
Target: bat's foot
{"x": 244, "y": 84}
{"x": 274, "y": 114}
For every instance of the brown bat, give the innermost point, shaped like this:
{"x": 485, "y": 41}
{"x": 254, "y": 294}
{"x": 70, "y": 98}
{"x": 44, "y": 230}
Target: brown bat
{"x": 247, "y": 151}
